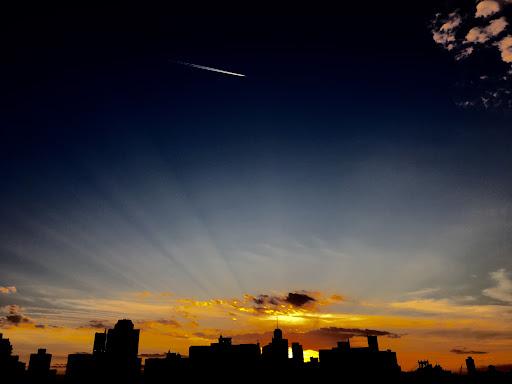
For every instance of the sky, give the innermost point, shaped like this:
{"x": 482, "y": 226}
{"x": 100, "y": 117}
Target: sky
{"x": 356, "y": 180}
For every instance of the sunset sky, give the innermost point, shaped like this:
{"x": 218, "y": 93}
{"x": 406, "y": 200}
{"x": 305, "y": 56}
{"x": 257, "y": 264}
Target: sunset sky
{"x": 357, "y": 178}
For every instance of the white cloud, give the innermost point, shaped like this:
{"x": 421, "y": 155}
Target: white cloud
{"x": 487, "y": 8}
{"x": 423, "y": 292}
{"x": 502, "y": 291}
{"x": 7, "y": 290}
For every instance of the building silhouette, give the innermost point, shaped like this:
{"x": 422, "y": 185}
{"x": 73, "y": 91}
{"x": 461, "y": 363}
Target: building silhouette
{"x": 114, "y": 359}
{"x": 114, "y": 356}
{"x": 10, "y": 366}
{"x": 39, "y": 366}
{"x": 361, "y": 361}
{"x": 428, "y": 373}
{"x": 470, "y": 365}
{"x": 80, "y": 367}
{"x": 225, "y": 354}
{"x": 276, "y": 352}
{"x": 297, "y": 354}
{"x": 122, "y": 342}
{"x": 100, "y": 343}
{"x": 157, "y": 368}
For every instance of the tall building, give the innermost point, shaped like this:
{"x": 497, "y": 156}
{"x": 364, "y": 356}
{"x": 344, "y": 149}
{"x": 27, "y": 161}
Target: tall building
{"x": 120, "y": 361}
{"x": 297, "y": 354}
{"x": 114, "y": 357}
{"x": 10, "y": 366}
{"x": 276, "y": 353}
{"x": 123, "y": 340}
{"x": 5, "y": 348}
{"x": 373, "y": 344}
{"x": 470, "y": 365}
{"x": 39, "y": 364}
{"x": 100, "y": 343}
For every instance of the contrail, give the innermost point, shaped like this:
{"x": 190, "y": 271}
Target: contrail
{"x": 208, "y": 68}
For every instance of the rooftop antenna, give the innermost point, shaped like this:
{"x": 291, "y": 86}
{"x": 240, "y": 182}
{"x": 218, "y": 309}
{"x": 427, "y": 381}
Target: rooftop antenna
{"x": 277, "y": 322}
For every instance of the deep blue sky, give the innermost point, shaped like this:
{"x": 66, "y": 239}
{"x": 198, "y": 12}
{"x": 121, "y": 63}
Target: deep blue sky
{"x": 342, "y": 155}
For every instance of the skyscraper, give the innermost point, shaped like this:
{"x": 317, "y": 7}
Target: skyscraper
{"x": 10, "y": 366}
{"x": 39, "y": 364}
{"x": 123, "y": 340}
{"x": 470, "y": 365}
{"x": 276, "y": 353}
{"x": 100, "y": 342}
{"x": 373, "y": 344}
{"x": 297, "y": 354}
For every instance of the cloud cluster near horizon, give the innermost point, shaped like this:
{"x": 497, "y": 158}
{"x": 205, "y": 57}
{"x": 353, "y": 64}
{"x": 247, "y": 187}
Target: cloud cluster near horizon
{"x": 315, "y": 319}
{"x": 13, "y": 316}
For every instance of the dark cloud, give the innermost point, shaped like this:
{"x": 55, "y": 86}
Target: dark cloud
{"x": 203, "y": 335}
{"x": 262, "y": 300}
{"x": 295, "y": 299}
{"x": 96, "y": 324}
{"x": 347, "y": 333}
{"x": 298, "y": 299}
{"x": 465, "y": 351}
{"x": 467, "y": 333}
{"x": 147, "y": 324}
{"x": 170, "y": 322}
{"x": 16, "y": 319}
{"x": 42, "y": 326}
{"x": 14, "y": 316}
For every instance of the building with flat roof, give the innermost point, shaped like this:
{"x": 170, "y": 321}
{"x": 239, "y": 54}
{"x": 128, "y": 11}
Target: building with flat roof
{"x": 363, "y": 361}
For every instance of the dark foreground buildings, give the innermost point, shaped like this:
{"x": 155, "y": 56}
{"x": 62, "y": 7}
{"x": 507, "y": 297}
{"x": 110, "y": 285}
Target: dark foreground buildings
{"x": 114, "y": 359}
{"x": 224, "y": 354}
{"x": 367, "y": 361}
{"x": 10, "y": 366}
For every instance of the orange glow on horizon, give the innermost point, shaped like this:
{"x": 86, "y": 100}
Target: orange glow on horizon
{"x": 430, "y": 331}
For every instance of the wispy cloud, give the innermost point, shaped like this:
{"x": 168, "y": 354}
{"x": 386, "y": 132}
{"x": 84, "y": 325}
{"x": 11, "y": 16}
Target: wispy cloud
{"x": 465, "y": 351}
{"x": 96, "y": 324}
{"x": 502, "y": 291}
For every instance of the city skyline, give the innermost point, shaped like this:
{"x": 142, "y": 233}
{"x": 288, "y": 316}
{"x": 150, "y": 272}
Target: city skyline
{"x": 302, "y": 315}
{"x": 120, "y": 345}
{"x": 204, "y": 174}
